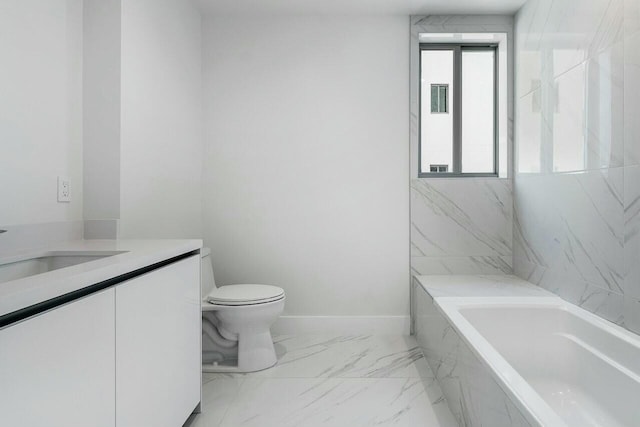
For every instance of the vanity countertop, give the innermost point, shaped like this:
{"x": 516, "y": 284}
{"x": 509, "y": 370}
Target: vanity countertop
{"x": 136, "y": 254}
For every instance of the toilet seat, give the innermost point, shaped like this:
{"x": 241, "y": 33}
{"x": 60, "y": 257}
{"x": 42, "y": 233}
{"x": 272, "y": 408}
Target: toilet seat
{"x": 249, "y": 294}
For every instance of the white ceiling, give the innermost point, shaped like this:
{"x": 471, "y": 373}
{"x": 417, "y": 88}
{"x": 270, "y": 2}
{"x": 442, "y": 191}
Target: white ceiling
{"x": 360, "y": 7}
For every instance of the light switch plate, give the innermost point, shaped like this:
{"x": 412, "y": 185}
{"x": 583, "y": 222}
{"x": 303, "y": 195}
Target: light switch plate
{"x": 64, "y": 189}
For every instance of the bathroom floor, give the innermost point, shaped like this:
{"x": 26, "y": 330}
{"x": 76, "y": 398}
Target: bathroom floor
{"x": 330, "y": 380}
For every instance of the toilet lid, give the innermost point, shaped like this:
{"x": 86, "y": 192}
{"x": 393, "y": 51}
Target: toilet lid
{"x": 245, "y": 294}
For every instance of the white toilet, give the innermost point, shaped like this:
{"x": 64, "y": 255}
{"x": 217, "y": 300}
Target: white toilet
{"x": 236, "y": 322}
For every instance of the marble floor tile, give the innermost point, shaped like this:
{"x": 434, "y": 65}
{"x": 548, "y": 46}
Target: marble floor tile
{"x": 217, "y": 395}
{"x": 357, "y": 356}
{"x": 330, "y": 380}
{"x": 339, "y": 402}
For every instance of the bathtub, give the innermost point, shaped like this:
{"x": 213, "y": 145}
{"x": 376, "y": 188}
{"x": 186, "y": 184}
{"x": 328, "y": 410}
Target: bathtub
{"x": 558, "y": 364}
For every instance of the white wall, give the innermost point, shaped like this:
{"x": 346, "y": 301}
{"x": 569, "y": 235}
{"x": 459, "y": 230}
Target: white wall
{"x": 41, "y": 109}
{"x": 161, "y": 120}
{"x": 307, "y": 159}
{"x": 101, "y": 108}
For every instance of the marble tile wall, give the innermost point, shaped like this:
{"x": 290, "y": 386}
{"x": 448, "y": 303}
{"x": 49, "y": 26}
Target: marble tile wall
{"x": 577, "y": 172}
{"x": 460, "y": 225}
{"x": 474, "y": 397}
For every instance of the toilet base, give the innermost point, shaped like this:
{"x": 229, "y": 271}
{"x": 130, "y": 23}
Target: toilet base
{"x": 255, "y": 353}
{"x": 256, "y": 360}
{"x": 251, "y": 325}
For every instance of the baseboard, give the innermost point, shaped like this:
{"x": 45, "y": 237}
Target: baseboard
{"x": 348, "y": 325}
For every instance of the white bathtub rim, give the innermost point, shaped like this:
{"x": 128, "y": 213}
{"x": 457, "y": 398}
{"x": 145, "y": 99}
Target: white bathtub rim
{"x": 618, "y": 331}
{"x": 530, "y": 404}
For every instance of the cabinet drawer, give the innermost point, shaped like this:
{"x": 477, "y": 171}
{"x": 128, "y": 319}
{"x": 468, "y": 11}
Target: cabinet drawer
{"x": 158, "y": 358}
{"x": 57, "y": 369}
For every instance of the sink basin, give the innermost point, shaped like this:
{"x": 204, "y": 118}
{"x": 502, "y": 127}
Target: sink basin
{"x": 43, "y": 263}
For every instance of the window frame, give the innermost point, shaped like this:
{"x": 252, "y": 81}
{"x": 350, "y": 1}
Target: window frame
{"x": 456, "y": 112}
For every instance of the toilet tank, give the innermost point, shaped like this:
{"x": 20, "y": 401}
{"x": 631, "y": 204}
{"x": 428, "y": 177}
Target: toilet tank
{"x": 208, "y": 281}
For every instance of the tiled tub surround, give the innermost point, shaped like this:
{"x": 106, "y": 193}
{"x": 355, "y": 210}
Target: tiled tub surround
{"x": 577, "y": 182}
{"x": 490, "y": 375}
{"x": 472, "y": 393}
{"x": 570, "y": 237}
{"x": 461, "y": 225}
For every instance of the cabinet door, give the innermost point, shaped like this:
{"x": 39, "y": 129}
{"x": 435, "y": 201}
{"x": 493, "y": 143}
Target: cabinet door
{"x": 158, "y": 324}
{"x": 57, "y": 369}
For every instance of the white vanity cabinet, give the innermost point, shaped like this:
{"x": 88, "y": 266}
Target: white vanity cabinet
{"x": 158, "y": 359}
{"x": 57, "y": 368}
{"x": 124, "y": 352}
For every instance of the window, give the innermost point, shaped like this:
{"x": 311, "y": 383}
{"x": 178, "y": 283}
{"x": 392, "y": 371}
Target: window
{"x": 439, "y": 96}
{"x": 460, "y": 80}
{"x": 438, "y": 168}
